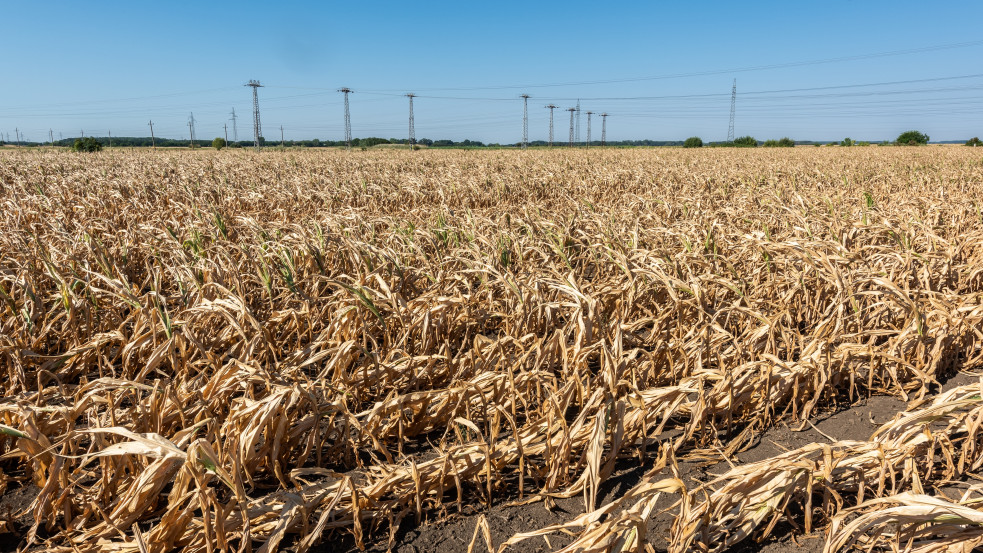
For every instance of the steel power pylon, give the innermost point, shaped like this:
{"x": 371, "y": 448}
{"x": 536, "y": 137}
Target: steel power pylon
{"x": 572, "y": 111}
{"x": 525, "y": 120}
{"x": 412, "y": 138}
{"x": 604, "y": 129}
{"x": 589, "y": 113}
{"x": 348, "y": 119}
{"x": 191, "y": 129}
{"x": 733, "y": 111}
{"x": 551, "y": 107}
{"x": 578, "y": 121}
{"x": 257, "y": 128}
{"x": 235, "y": 128}
{"x": 153, "y": 141}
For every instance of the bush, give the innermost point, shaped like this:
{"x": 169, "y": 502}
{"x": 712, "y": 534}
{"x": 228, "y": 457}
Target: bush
{"x": 975, "y": 141}
{"x": 693, "y": 142}
{"x": 785, "y": 142}
{"x": 862, "y": 143}
{"x": 219, "y": 143}
{"x": 86, "y": 144}
{"x": 847, "y": 142}
{"x": 912, "y": 138}
{"x": 746, "y": 142}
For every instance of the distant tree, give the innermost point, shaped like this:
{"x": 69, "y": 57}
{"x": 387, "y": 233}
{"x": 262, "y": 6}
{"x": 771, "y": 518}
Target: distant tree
{"x": 218, "y": 143}
{"x": 785, "y": 142}
{"x": 975, "y": 141}
{"x": 847, "y": 142}
{"x": 425, "y": 142}
{"x": 862, "y": 143}
{"x": 371, "y": 141}
{"x": 86, "y": 144}
{"x": 746, "y": 142}
{"x": 693, "y": 142}
{"x": 912, "y": 138}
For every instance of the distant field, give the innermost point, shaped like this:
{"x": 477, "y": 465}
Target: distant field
{"x": 308, "y": 350}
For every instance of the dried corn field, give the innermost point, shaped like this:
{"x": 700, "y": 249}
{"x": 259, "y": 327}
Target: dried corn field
{"x": 232, "y": 351}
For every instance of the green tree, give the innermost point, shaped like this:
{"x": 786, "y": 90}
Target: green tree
{"x": 86, "y": 144}
{"x": 693, "y": 142}
{"x": 218, "y": 143}
{"x": 784, "y": 142}
{"x": 746, "y": 142}
{"x": 975, "y": 141}
{"x": 847, "y": 142}
{"x": 912, "y": 138}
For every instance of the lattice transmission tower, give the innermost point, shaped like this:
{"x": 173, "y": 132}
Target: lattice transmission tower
{"x": 589, "y": 113}
{"x": 257, "y": 128}
{"x": 412, "y": 138}
{"x": 733, "y": 111}
{"x": 348, "y": 119}
{"x": 577, "y": 135}
{"x": 604, "y": 129}
{"x": 235, "y": 129}
{"x": 572, "y": 111}
{"x": 525, "y": 120}
{"x": 551, "y": 107}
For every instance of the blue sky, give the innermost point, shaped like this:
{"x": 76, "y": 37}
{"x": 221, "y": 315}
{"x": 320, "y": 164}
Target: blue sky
{"x": 662, "y": 70}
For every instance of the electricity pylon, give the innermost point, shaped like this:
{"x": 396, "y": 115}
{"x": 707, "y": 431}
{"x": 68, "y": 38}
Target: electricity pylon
{"x": 551, "y": 107}
{"x": 257, "y": 128}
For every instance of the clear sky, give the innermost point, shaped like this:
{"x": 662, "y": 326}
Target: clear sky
{"x": 663, "y": 70}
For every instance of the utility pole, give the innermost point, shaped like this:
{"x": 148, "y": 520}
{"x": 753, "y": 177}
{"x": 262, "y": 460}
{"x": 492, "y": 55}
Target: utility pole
{"x": 551, "y": 107}
{"x": 153, "y": 141}
{"x": 235, "y": 129}
{"x": 571, "y": 110}
{"x": 17, "y": 135}
{"x": 110, "y": 138}
{"x": 226, "y": 127}
{"x": 348, "y": 119}
{"x": 281, "y": 136}
{"x": 51, "y": 136}
{"x": 589, "y": 113}
{"x": 191, "y": 134}
{"x": 525, "y": 120}
{"x": 733, "y": 111}
{"x": 604, "y": 129}
{"x": 257, "y": 129}
{"x": 412, "y": 138}
{"x": 82, "y": 131}
{"x": 578, "y": 120}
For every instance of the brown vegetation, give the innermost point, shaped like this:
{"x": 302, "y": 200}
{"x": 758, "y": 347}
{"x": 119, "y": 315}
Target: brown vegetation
{"x": 237, "y": 351}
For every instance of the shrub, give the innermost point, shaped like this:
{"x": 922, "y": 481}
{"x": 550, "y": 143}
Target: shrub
{"x": 975, "y": 141}
{"x": 912, "y": 138}
{"x": 847, "y": 142}
{"x": 218, "y": 143}
{"x": 693, "y": 142}
{"x": 746, "y": 142}
{"x": 862, "y": 143}
{"x": 86, "y": 144}
{"x": 784, "y": 142}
